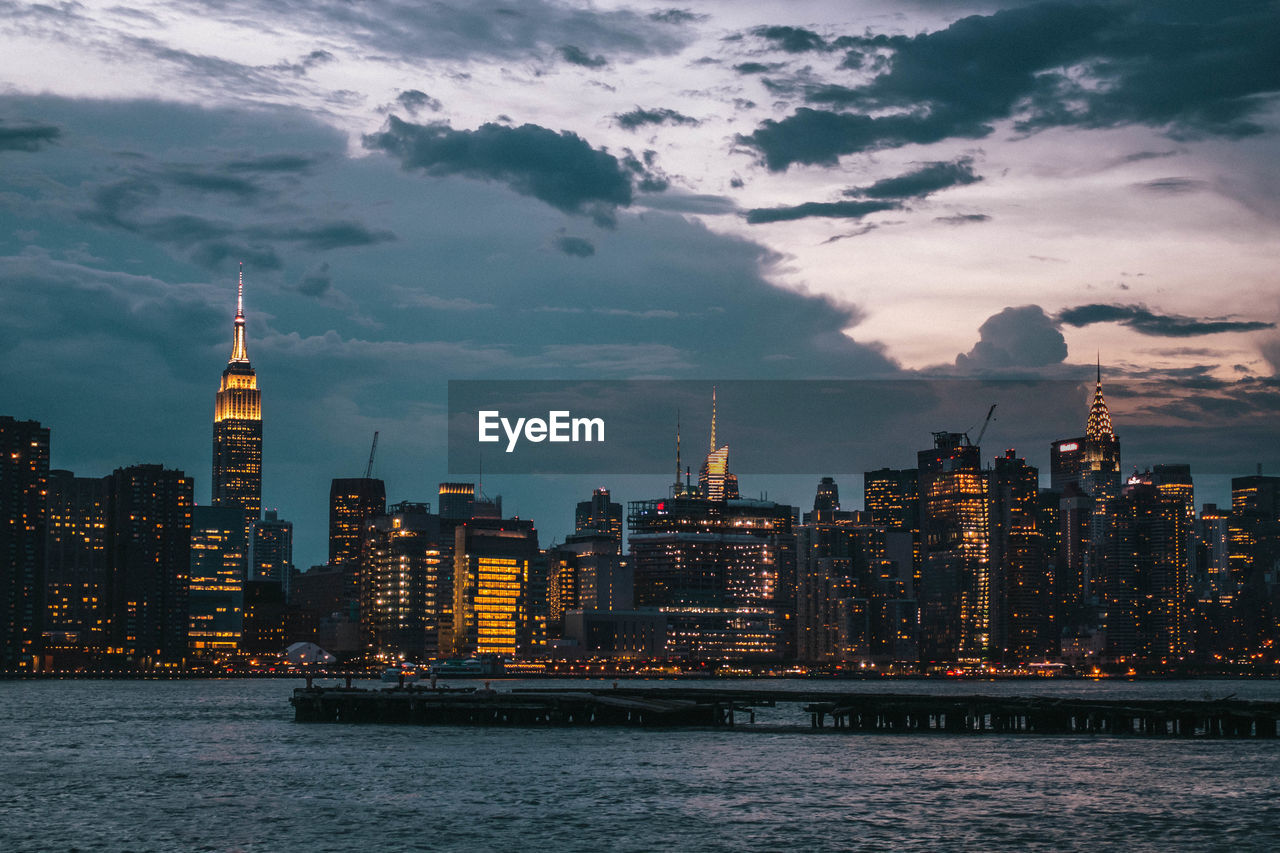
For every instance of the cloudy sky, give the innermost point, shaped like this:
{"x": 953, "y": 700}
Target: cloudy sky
{"x": 422, "y": 192}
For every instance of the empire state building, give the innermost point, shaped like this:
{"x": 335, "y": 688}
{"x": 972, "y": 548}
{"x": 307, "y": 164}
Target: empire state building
{"x": 237, "y": 429}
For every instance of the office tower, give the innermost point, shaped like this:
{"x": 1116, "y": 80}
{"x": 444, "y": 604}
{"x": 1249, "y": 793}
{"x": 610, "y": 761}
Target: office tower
{"x": 853, "y": 588}
{"x": 1022, "y": 618}
{"x": 405, "y": 589}
{"x": 1066, "y": 463}
{"x": 149, "y": 554}
{"x": 237, "y": 429}
{"x": 1144, "y": 582}
{"x": 587, "y": 573}
{"x": 271, "y": 550}
{"x": 1253, "y": 532}
{"x": 215, "y": 602}
{"x": 714, "y": 480}
{"x": 955, "y": 572}
{"x": 264, "y": 618}
{"x": 1213, "y": 560}
{"x": 892, "y": 500}
{"x": 600, "y": 516}
{"x": 457, "y": 500}
{"x": 24, "y": 481}
{"x": 352, "y": 502}
{"x": 76, "y": 574}
{"x": 722, "y": 571}
{"x": 494, "y": 564}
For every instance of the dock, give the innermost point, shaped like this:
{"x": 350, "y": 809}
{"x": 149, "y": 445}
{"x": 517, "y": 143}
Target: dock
{"x": 882, "y": 713}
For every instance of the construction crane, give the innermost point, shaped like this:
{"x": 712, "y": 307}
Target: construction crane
{"x": 368, "y": 471}
{"x": 991, "y": 411}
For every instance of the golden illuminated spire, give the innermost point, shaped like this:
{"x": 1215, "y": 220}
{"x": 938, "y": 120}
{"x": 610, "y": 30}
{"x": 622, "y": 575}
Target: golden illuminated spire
{"x": 1099, "y": 427}
{"x": 239, "y": 352}
{"x": 713, "y": 419}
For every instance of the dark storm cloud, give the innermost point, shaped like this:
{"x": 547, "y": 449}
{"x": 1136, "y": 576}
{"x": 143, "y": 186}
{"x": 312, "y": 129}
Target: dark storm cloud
{"x": 317, "y": 282}
{"x": 575, "y": 55}
{"x": 675, "y": 16}
{"x": 274, "y": 163}
{"x": 561, "y": 169}
{"x": 209, "y": 181}
{"x": 1191, "y": 67}
{"x": 918, "y": 183}
{"x": 27, "y": 137}
{"x": 886, "y": 194}
{"x": 825, "y": 209}
{"x": 575, "y": 246}
{"x": 1016, "y": 337}
{"x": 1147, "y": 322}
{"x": 963, "y": 219}
{"x": 755, "y": 67}
{"x": 791, "y": 39}
{"x": 640, "y": 117}
{"x": 322, "y": 236}
{"x": 415, "y": 101}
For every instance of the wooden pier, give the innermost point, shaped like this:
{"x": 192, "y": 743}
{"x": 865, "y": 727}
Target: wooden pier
{"x": 885, "y": 713}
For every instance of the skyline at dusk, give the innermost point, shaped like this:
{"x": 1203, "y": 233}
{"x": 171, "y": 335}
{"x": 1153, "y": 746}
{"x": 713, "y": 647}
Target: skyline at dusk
{"x": 614, "y": 191}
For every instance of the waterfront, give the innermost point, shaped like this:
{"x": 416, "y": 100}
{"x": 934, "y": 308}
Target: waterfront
{"x": 219, "y": 765}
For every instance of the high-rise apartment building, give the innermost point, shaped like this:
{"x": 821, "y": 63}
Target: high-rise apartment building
{"x": 215, "y": 602}
{"x": 76, "y": 575}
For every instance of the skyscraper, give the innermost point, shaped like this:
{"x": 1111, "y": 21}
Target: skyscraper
{"x": 76, "y": 559}
{"x": 24, "y": 481}
{"x": 149, "y": 552}
{"x": 1021, "y": 589}
{"x": 1100, "y": 463}
{"x": 237, "y": 429}
{"x": 215, "y": 602}
{"x": 955, "y": 574}
{"x": 600, "y": 517}
{"x": 352, "y": 501}
{"x": 404, "y": 582}
{"x": 714, "y": 479}
{"x": 271, "y": 550}
{"x": 493, "y": 562}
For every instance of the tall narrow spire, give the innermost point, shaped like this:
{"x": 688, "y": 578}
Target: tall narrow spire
{"x": 677, "y": 448}
{"x": 713, "y": 419}
{"x": 239, "y": 352}
{"x": 1099, "y": 426}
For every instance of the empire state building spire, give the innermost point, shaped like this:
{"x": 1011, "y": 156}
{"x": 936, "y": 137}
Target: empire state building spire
{"x": 239, "y": 352}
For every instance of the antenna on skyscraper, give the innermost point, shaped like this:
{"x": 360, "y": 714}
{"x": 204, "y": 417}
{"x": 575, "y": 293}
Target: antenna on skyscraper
{"x": 677, "y": 448}
{"x": 713, "y": 419}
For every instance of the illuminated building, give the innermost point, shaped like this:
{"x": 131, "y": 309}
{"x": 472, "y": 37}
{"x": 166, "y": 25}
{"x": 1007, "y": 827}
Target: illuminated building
{"x": 600, "y": 516}
{"x": 722, "y": 571}
{"x": 149, "y": 554}
{"x": 352, "y": 502}
{"x": 892, "y": 500}
{"x": 1066, "y": 463}
{"x": 457, "y": 500}
{"x": 76, "y": 573}
{"x": 271, "y": 550}
{"x": 406, "y": 591}
{"x": 714, "y": 480}
{"x": 237, "y": 429}
{"x": 1253, "y": 532}
{"x": 854, "y": 586}
{"x": 1100, "y": 465}
{"x": 1213, "y": 560}
{"x": 1022, "y": 623}
{"x": 955, "y": 572}
{"x": 24, "y": 476}
{"x": 1144, "y": 580}
{"x": 495, "y": 584}
{"x": 587, "y": 573}
{"x": 216, "y": 601}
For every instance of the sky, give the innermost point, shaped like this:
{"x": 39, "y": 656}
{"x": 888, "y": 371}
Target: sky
{"x": 711, "y": 191}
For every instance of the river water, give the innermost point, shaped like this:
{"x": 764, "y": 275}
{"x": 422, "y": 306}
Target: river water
{"x": 221, "y": 766}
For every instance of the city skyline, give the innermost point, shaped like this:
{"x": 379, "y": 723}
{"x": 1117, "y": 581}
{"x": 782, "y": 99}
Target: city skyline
{"x": 552, "y": 190}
